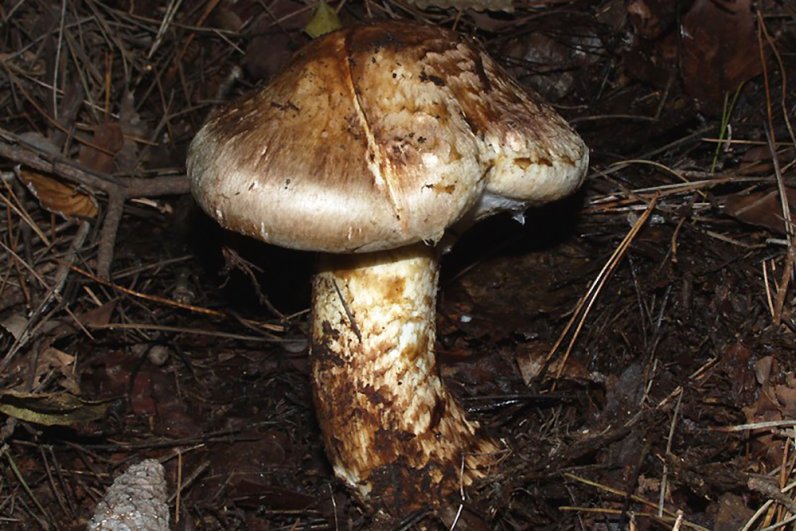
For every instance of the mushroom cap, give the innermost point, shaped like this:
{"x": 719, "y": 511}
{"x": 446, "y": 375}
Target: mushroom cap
{"x": 379, "y": 136}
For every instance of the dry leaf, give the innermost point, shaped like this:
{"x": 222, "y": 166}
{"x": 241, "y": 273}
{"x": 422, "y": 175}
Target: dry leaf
{"x": 719, "y": 37}
{"x": 50, "y": 409}
{"x": 59, "y": 198}
{"x": 61, "y": 363}
{"x": 732, "y": 513}
{"x": 763, "y": 369}
{"x": 735, "y": 363}
{"x": 652, "y": 18}
{"x": 324, "y": 20}
{"x": 786, "y": 396}
{"x": 107, "y": 141}
{"x": 757, "y": 160}
{"x": 647, "y": 485}
{"x": 531, "y": 363}
{"x": 99, "y": 316}
{"x": 15, "y": 325}
{"x": 763, "y": 209}
{"x": 224, "y": 17}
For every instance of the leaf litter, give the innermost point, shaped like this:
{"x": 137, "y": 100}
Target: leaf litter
{"x": 127, "y": 332}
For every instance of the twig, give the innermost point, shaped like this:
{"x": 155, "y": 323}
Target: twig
{"x": 69, "y": 258}
{"x": 27, "y": 488}
{"x": 171, "y": 10}
{"x": 623, "y": 494}
{"x": 169, "y": 302}
{"x": 180, "y": 330}
{"x": 17, "y": 150}
{"x": 763, "y": 425}
{"x": 117, "y": 189}
{"x": 184, "y": 483}
{"x": 53, "y": 291}
{"x": 665, "y": 474}
{"x": 584, "y": 305}
{"x": 211, "y": 5}
{"x": 768, "y": 129}
{"x": 110, "y": 226}
{"x": 782, "y": 289}
{"x": 770, "y": 489}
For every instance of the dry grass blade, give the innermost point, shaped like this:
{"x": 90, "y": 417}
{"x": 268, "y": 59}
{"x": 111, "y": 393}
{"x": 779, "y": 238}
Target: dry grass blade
{"x": 586, "y": 302}
{"x": 779, "y": 508}
{"x": 22, "y": 213}
{"x": 757, "y": 426}
{"x": 47, "y": 517}
{"x": 183, "y": 330}
{"x": 639, "y": 499}
{"x": 175, "y": 304}
{"x": 634, "y": 516}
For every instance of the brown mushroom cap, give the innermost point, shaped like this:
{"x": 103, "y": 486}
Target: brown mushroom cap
{"x": 380, "y": 136}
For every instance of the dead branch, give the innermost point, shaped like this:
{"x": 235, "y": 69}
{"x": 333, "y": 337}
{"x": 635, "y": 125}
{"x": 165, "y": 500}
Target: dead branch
{"x": 118, "y": 189}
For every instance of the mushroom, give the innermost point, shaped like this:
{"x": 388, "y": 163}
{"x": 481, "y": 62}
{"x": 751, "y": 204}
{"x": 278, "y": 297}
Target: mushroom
{"x": 373, "y": 143}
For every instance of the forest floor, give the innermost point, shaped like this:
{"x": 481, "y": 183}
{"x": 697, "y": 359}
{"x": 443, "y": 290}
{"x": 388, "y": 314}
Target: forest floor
{"x": 631, "y": 346}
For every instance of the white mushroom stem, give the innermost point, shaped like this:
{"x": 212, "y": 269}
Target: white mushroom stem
{"x": 391, "y": 429}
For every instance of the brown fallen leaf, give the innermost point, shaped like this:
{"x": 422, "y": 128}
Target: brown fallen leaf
{"x": 652, "y": 18}
{"x": 652, "y": 53}
{"x": 762, "y": 208}
{"x": 56, "y": 361}
{"x": 99, "y": 156}
{"x": 731, "y": 512}
{"x": 713, "y": 46}
{"x": 719, "y": 49}
{"x": 734, "y": 362}
{"x": 774, "y": 402}
{"x": 99, "y": 316}
{"x": 786, "y": 396}
{"x": 14, "y": 324}
{"x": 531, "y": 362}
{"x": 57, "y": 197}
{"x": 763, "y": 368}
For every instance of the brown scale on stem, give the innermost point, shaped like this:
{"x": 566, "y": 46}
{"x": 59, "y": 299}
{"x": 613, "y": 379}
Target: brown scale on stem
{"x": 386, "y": 416}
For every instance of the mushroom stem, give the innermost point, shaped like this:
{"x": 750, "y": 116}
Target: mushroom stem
{"x": 391, "y": 429}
